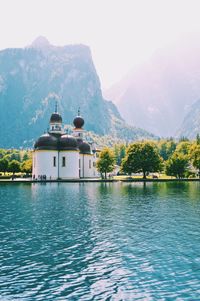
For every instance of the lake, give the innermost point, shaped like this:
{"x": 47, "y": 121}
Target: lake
{"x": 100, "y": 241}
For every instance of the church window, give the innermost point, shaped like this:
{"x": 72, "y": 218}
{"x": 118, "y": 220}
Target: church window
{"x": 54, "y": 161}
{"x": 63, "y": 161}
{"x": 79, "y": 163}
{"x": 89, "y": 163}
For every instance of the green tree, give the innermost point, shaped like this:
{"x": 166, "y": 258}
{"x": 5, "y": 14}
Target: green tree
{"x": 177, "y": 165}
{"x": 15, "y": 155}
{"x": 166, "y": 148}
{"x": 183, "y": 138}
{"x": 142, "y": 157}
{"x": 2, "y": 153}
{"x": 183, "y": 147}
{"x": 7, "y": 157}
{"x": 117, "y": 153}
{"x": 3, "y": 165}
{"x": 14, "y": 166}
{"x": 26, "y": 166}
{"x": 106, "y": 161}
{"x": 25, "y": 156}
{"x": 198, "y": 139}
{"x": 122, "y": 152}
{"x": 195, "y": 156}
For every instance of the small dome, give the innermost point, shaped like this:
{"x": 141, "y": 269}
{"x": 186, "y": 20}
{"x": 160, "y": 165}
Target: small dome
{"x": 85, "y": 148}
{"x": 78, "y": 122}
{"x": 46, "y": 142}
{"x": 79, "y": 141}
{"x": 56, "y": 117}
{"x": 67, "y": 142}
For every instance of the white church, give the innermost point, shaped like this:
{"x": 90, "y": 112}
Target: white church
{"x": 57, "y": 155}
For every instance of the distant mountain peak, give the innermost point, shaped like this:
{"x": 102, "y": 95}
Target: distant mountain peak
{"x": 40, "y": 42}
{"x": 157, "y": 94}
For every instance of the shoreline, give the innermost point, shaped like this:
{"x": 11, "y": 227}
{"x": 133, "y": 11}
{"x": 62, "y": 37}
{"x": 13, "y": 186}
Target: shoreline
{"x": 96, "y": 181}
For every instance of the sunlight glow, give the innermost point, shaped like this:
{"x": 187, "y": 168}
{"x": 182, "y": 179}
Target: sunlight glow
{"x": 121, "y": 33}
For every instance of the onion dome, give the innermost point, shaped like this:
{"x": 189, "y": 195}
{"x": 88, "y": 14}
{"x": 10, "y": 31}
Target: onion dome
{"x": 78, "y": 121}
{"x": 67, "y": 142}
{"x": 79, "y": 141}
{"x": 55, "y": 118}
{"x": 46, "y": 142}
{"x": 85, "y": 148}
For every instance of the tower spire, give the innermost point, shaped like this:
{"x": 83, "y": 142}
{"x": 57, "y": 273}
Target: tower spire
{"x": 55, "y": 121}
{"x": 79, "y": 111}
{"x": 56, "y": 107}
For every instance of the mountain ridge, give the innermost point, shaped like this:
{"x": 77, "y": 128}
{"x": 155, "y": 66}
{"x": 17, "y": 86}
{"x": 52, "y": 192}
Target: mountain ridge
{"x": 31, "y": 78}
{"x": 190, "y": 126}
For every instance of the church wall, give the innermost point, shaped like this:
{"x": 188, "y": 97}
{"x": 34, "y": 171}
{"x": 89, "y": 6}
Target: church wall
{"x": 87, "y": 170}
{"x": 71, "y": 162}
{"x": 80, "y": 165}
{"x": 43, "y": 164}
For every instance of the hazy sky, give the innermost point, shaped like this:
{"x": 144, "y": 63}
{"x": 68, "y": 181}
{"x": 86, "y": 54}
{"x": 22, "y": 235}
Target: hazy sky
{"x": 121, "y": 33}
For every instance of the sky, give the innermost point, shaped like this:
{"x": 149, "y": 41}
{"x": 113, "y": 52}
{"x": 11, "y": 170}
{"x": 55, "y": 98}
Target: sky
{"x": 121, "y": 33}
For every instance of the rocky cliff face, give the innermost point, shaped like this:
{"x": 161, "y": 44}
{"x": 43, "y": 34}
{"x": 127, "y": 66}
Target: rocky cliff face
{"x": 190, "y": 126}
{"x": 159, "y": 94}
{"x": 32, "y": 78}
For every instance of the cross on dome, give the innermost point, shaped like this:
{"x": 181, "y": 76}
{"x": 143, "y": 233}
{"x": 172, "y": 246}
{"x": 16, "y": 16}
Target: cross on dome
{"x": 56, "y": 107}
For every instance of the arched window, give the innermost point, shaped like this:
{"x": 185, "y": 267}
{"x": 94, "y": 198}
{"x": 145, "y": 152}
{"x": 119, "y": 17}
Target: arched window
{"x": 54, "y": 161}
{"x": 63, "y": 161}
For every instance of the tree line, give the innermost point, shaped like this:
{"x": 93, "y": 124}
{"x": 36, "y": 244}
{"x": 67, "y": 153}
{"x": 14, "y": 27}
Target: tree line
{"x": 179, "y": 159}
{"x": 14, "y": 161}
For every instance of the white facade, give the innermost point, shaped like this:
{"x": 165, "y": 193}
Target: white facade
{"x": 88, "y": 166}
{"x": 53, "y": 165}
{"x": 85, "y": 166}
{"x": 45, "y": 164}
{"x": 68, "y": 164}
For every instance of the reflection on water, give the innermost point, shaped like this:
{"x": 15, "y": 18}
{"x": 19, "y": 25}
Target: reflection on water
{"x": 100, "y": 241}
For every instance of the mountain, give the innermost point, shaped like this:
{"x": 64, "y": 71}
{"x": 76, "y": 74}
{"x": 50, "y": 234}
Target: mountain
{"x": 191, "y": 123}
{"x": 32, "y": 78}
{"x": 158, "y": 94}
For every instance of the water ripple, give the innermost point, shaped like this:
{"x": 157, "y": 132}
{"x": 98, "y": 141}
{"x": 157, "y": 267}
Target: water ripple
{"x": 100, "y": 242}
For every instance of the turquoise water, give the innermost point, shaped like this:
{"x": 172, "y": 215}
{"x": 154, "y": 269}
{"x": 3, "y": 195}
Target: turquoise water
{"x": 100, "y": 241}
